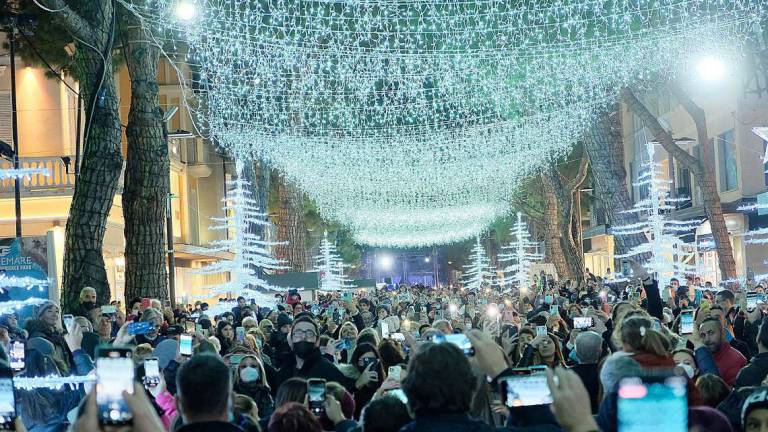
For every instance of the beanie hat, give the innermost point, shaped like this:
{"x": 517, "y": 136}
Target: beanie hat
{"x": 283, "y": 319}
{"x": 758, "y": 399}
{"x": 44, "y": 307}
{"x": 708, "y": 419}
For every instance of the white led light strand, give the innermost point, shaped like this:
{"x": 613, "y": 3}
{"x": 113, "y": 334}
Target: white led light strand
{"x": 53, "y": 382}
{"x": 11, "y": 306}
{"x": 23, "y": 173}
{"x": 394, "y": 115}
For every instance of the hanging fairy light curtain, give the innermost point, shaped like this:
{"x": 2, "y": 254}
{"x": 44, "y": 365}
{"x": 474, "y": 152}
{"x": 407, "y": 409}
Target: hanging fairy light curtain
{"x": 396, "y": 116}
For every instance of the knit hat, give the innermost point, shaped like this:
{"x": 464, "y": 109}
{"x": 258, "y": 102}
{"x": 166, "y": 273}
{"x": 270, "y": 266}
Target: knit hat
{"x": 617, "y": 366}
{"x": 708, "y": 419}
{"x": 166, "y": 351}
{"x": 757, "y": 400}
{"x": 283, "y": 319}
{"x": 44, "y": 307}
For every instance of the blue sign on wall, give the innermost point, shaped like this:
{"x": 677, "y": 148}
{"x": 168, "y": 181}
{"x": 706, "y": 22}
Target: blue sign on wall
{"x": 24, "y": 258}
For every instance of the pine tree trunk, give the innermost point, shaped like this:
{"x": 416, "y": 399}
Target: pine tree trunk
{"x": 574, "y": 260}
{"x": 102, "y": 161}
{"x": 145, "y": 194}
{"x": 291, "y": 227}
{"x": 552, "y": 230}
{"x": 603, "y": 146}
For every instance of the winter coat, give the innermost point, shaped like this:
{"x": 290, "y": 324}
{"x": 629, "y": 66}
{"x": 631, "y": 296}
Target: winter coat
{"x": 62, "y": 355}
{"x": 729, "y": 362}
{"x": 754, "y": 373}
{"x": 48, "y": 408}
{"x": 315, "y": 366}
{"x": 167, "y": 403}
{"x": 259, "y": 393}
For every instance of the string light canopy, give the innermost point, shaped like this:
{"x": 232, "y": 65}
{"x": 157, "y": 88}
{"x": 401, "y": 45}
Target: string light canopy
{"x": 394, "y": 116}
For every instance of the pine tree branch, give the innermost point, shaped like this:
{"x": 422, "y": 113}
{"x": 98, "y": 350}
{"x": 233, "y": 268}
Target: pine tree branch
{"x": 71, "y": 20}
{"x": 661, "y": 135}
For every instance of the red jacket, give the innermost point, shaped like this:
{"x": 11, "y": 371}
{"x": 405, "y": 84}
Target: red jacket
{"x": 729, "y": 361}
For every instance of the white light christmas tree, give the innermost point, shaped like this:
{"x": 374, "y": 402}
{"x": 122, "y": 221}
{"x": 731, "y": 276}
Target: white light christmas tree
{"x": 251, "y": 252}
{"x": 330, "y": 267}
{"x": 479, "y": 271}
{"x": 521, "y": 254}
{"x": 665, "y": 253}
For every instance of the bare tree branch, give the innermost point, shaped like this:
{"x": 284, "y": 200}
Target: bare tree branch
{"x": 661, "y": 135}
{"x": 576, "y": 182}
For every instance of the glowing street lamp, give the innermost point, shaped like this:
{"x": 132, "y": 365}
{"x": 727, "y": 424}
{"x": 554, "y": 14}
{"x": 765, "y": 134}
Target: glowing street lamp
{"x": 385, "y": 262}
{"x": 711, "y": 69}
{"x": 185, "y": 10}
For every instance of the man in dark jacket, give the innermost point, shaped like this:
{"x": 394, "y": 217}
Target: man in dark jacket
{"x": 755, "y": 372}
{"x": 589, "y": 348}
{"x": 307, "y": 361}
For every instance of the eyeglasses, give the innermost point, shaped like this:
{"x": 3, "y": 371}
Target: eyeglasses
{"x": 303, "y": 334}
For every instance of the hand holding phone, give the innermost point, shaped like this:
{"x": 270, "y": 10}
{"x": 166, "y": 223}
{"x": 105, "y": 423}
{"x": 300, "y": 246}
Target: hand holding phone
{"x": 316, "y": 396}
{"x": 394, "y": 372}
{"x": 524, "y": 387}
{"x": 686, "y": 322}
{"x": 185, "y": 344}
{"x": 583, "y": 323}
{"x": 16, "y": 353}
{"x": 114, "y": 375}
{"x": 151, "y": 371}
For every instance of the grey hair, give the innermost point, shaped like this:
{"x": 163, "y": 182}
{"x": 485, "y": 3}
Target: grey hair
{"x": 589, "y": 346}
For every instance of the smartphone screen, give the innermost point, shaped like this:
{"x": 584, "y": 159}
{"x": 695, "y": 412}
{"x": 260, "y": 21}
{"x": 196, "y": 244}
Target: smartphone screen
{"x": 394, "y": 372}
{"x": 686, "y": 322}
{"x": 140, "y": 328}
{"x": 16, "y": 355}
{"x": 525, "y": 388}
{"x": 384, "y": 330}
{"x": 582, "y": 323}
{"x": 640, "y": 396}
{"x": 240, "y": 334}
{"x": 185, "y": 344}
{"x": 151, "y": 371}
{"x": 68, "y": 321}
{"x": 460, "y": 340}
{"x": 316, "y": 396}
{"x": 751, "y": 300}
{"x": 626, "y": 270}
{"x": 108, "y": 310}
{"x": 553, "y": 310}
{"x": 114, "y": 375}
{"x": 7, "y": 400}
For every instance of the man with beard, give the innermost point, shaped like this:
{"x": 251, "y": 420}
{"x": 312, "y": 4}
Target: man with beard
{"x": 307, "y": 361}
{"x": 729, "y": 360}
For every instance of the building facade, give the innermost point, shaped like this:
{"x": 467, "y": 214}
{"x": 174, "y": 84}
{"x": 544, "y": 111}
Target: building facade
{"x": 47, "y": 131}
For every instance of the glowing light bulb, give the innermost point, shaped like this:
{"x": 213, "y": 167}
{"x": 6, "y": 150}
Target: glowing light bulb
{"x": 711, "y": 69}
{"x": 185, "y": 10}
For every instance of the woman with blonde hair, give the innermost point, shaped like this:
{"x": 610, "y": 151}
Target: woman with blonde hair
{"x": 251, "y": 380}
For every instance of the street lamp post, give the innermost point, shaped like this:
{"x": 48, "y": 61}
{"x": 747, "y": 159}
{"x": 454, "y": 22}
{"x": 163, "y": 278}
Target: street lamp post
{"x": 14, "y": 127}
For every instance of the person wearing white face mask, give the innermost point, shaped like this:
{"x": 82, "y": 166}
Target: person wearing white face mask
{"x": 251, "y": 380}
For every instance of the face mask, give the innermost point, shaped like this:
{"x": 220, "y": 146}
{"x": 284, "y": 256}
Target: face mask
{"x": 303, "y": 349}
{"x": 687, "y": 368}
{"x": 89, "y": 305}
{"x": 249, "y": 374}
{"x": 548, "y": 299}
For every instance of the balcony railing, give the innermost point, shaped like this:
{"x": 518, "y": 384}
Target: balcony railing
{"x": 58, "y": 182}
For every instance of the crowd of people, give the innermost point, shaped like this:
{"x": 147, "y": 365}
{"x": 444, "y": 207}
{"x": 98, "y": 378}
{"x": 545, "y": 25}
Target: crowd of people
{"x": 411, "y": 358}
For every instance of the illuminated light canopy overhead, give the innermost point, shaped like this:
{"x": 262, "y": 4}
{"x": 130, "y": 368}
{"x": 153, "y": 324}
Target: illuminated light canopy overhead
{"x": 412, "y": 122}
